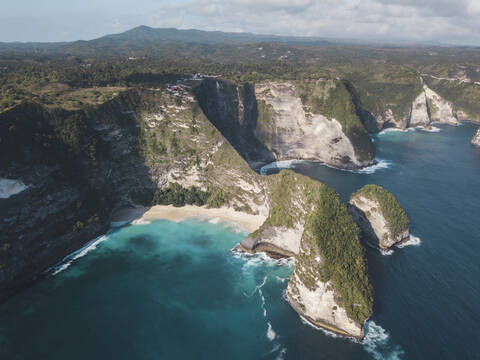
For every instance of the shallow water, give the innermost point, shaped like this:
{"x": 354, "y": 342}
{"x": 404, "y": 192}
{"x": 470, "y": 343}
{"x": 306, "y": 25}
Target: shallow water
{"x": 165, "y": 290}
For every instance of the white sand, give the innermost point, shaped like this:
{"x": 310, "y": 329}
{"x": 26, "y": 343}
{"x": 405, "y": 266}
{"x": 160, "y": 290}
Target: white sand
{"x": 169, "y": 212}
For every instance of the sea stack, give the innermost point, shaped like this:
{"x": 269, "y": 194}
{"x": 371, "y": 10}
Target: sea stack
{"x": 380, "y": 216}
{"x": 476, "y": 139}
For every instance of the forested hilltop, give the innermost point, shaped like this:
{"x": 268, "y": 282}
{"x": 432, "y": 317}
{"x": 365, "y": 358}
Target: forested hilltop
{"x": 381, "y": 79}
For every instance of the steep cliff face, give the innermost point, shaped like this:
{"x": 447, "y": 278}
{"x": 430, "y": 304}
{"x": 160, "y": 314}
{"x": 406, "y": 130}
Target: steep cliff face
{"x": 321, "y": 288}
{"x": 285, "y": 120}
{"x": 307, "y": 220}
{"x": 476, "y": 139}
{"x": 233, "y": 111}
{"x": 302, "y": 121}
{"x": 80, "y": 167}
{"x": 380, "y": 216}
{"x": 422, "y": 110}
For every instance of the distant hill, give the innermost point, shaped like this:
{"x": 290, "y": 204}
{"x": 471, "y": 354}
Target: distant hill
{"x": 143, "y": 38}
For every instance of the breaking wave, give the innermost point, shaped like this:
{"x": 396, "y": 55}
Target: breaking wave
{"x": 141, "y": 221}
{"x": 283, "y": 164}
{"x": 381, "y": 164}
{"x": 413, "y": 241}
{"x": 260, "y": 259}
{"x": 271, "y": 335}
{"x": 67, "y": 260}
{"x": 432, "y": 129}
{"x": 377, "y": 343}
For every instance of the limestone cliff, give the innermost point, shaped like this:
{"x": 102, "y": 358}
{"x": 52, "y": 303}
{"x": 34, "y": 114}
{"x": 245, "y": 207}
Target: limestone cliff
{"x": 69, "y": 172}
{"x": 426, "y": 108}
{"x": 329, "y": 286}
{"x": 274, "y": 121}
{"x": 476, "y": 139}
{"x": 380, "y": 216}
{"x": 313, "y": 120}
{"x": 308, "y": 220}
{"x": 81, "y": 167}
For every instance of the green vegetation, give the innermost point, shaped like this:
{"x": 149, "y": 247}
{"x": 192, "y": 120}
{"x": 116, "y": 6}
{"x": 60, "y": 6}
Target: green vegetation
{"x": 397, "y": 220}
{"x": 343, "y": 261}
{"x": 177, "y": 195}
{"x": 465, "y": 96}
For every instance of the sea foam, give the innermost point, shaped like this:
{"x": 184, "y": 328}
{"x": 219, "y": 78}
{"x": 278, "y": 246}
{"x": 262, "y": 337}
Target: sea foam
{"x": 67, "y": 260}
{"x": 413, "y": 241}
{"x": 379, "y": 165}
{"x": 283, "y": 164}
{"x": 271, "y": 335}
{"x": 377, "y": 343}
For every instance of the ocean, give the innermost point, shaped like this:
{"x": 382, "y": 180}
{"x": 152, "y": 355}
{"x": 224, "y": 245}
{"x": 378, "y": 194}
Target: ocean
{"x": 165, "y": 290}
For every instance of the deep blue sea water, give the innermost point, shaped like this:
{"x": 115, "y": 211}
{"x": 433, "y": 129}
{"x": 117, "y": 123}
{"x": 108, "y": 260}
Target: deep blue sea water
{"x": 169, "y": 290}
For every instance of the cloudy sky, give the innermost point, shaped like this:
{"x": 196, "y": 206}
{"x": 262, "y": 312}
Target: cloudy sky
{"x": 447, "y": 21}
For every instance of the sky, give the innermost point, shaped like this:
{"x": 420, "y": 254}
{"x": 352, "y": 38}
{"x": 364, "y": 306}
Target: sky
{"x": 447, "y": 21}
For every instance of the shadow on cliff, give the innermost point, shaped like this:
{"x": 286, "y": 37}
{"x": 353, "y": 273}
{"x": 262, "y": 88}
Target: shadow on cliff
{"x": 376, "y": 270}
{"x": 79, "y": 166}
{"x": 233, "y": 111}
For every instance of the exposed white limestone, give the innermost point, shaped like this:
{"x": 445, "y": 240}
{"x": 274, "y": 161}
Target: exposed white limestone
{"x": 476, "y": 139}
{"x": 368, "y": 215}
{"x": 419, "y": 112}
{"x": 441, "y": 110}
{"x": 10, "y": 187}
{"x": 320, "y": 307}
{"x": 298, "y": 134}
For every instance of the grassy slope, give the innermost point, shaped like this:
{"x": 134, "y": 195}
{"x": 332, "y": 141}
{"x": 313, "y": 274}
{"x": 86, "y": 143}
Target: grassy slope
{"x": 332, "y": 230}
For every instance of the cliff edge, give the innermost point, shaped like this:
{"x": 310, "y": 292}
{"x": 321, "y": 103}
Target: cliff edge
{"x": 380, "y": 216}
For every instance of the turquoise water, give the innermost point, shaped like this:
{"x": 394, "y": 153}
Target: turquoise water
{"x": 169, "y": 290}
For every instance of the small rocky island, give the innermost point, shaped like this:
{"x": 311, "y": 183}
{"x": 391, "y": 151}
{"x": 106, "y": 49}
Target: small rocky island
{"x": 476, "y": 139}
{"x": 380, "y": 216}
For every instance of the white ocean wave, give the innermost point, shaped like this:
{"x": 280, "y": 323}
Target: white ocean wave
{"x": 141, "y": 221}
{"x": 10, "y": 187}
{"x": 390, "y": 130}
{"x": 232, "y": 225}
{"x": 377, "y": 343}
{"x": 413, "y": 241}
{"x": 380, "y": 164}
{"x": 261, "y": 259}
{"x": 282, "y": 280}
{"x": 283, "y": 164}
{"x": 271, "y": 335}
{"x": 281, "y": 354}
{"x": 326, "y": 332}
{"x": 386, "y": 252}
{"x": 431, "y": 129}
{"x": 67, "y": 260}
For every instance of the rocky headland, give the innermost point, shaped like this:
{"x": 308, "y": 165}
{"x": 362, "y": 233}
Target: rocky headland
{"x": 380, "y": 216}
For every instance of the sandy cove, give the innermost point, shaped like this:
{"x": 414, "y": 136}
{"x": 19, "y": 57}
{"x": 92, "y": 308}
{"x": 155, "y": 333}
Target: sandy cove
{"x": 169, "y": 212}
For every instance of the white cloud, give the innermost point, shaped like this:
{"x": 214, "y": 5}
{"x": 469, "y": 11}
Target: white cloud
{"x": 454, "y": 21}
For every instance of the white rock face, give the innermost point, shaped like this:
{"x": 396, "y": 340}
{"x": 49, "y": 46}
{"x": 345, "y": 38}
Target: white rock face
{"x": 277, "y": 239}
{"x": 320, "y": 307}
{"x": 367, "y": 214}
{"x": 441, "y": 110}
{"x": 298, "y": 134}
{"x": 427, "y": 107}
{"x": 476, "y": 138}
{"x": 10, "y": 187}
{"x": 318, "y": 303}
{"x": 419, "y": 113}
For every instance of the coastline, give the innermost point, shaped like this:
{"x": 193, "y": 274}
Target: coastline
{"x": 249, "y": 222}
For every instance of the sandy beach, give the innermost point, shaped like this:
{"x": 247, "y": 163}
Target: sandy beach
{"x": 169, "y": 212}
